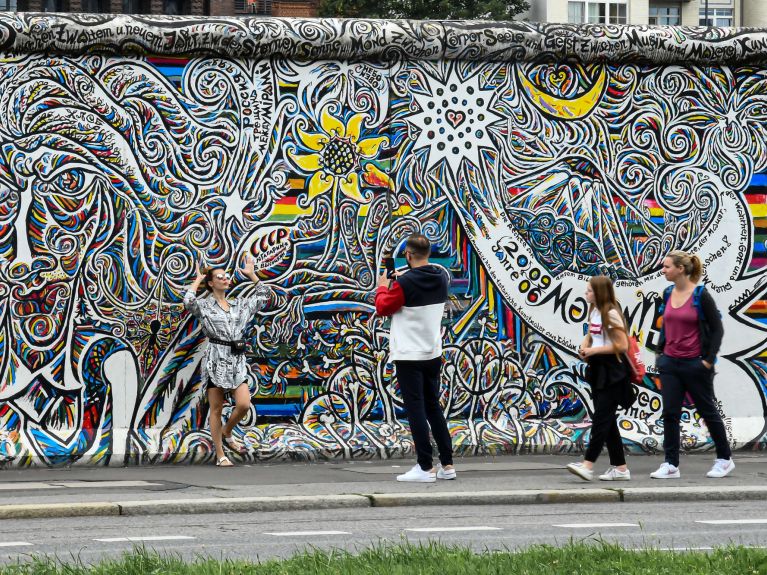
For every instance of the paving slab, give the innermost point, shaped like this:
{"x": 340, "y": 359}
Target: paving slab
{"x": 510, "y": 479}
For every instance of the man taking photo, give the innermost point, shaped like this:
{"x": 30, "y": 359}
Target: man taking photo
{"x": 415, "y": 300}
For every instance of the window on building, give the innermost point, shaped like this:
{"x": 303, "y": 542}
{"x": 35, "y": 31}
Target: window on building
{"x": 576, "y": 12}
{"x": 258, "y": 7}
{"x": 617, "y": 13}
{"x": 176, "y": 7}
{"x": 597, "y": 12}
{"x": 7, "y": 5}
{"x": 716, "y": 17}
{"x": 665, "y": 15}
{"x": 96, "y": 6}
{"x": 139, "y": 7}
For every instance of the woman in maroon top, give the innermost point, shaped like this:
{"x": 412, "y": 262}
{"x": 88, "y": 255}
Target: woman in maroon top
{"x": 689, "y": 341}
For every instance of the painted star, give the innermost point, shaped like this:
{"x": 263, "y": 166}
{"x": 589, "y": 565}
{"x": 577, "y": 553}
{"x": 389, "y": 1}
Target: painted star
{"x": 453, "y": 119}
{"x": 234, "y": 207}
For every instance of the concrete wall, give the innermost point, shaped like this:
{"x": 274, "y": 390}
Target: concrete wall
{"x": 639, "y": 12}
{"x": 534, "y": 157}
{"x": 754, "y": 12}
{"x": 545, "y": 11}
{"x": 691, "y": 13}
{"x": 556, "y": 12}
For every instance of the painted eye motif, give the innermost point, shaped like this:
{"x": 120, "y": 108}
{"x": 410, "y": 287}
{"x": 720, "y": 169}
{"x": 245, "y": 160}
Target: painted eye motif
{"x": 589, "y": 256}
{"x": 564, "y": 246}
{"x": 540, "y": 239}
{"x": 70, "y": 180}
{"x": 73, "y": 181}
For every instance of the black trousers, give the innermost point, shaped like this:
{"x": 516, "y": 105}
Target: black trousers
{"x": 680, "y": 376}
{"x": 419, "y": 385}
{"x": 604, "y": 427}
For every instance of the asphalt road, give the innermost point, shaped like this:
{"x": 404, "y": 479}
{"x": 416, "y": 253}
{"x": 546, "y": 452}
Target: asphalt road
{"x": 695, "y": 525}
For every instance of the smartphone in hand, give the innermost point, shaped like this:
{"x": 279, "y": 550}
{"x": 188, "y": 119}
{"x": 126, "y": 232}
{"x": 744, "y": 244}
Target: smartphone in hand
{"x": 388, "y": 264}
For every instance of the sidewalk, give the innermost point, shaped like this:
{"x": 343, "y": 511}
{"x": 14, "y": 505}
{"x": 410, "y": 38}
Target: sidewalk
{"x": 81, "y": 491}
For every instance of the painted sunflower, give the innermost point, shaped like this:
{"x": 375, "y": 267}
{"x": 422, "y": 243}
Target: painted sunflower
{"x": 337, "y": 157}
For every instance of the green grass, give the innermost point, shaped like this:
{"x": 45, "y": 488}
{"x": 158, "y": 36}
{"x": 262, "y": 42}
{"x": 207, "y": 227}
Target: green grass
{"x": 420, "y": 559}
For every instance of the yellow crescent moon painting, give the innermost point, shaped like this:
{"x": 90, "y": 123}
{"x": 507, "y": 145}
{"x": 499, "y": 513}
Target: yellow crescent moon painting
{"x": 564, "y": 108}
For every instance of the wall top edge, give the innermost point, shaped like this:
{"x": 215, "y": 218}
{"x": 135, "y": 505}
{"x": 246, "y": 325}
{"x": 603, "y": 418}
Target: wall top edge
{"x": 358, "y": 39}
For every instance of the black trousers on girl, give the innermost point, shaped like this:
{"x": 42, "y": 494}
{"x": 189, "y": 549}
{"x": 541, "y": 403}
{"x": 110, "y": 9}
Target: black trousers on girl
{"x": 419, "y": 385}
{"x": 608, "y": 379}
{"x": 680, "y": 376}
{"x": 604, "y": 427}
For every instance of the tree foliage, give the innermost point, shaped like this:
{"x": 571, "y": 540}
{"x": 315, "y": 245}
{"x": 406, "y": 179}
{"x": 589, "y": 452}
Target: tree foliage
{"x": 424, "y": 9}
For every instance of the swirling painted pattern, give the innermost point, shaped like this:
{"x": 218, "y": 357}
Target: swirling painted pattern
{"x": 528, "y": 171}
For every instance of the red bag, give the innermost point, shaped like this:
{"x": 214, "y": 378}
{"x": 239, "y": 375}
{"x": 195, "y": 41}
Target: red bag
{"x": 638, "y": 368}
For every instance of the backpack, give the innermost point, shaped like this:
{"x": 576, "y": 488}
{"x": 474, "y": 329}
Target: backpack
{"x": 637, "y": 368}
{"x": 634, "y": 357}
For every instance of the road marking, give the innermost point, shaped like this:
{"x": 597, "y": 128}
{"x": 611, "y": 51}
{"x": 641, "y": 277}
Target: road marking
{"x": 34, "y": 485}
{"x": 25, "y": 485}
{"x": 150, "y": 538}
{"x": 683, "y": 549}
{"x": 15, "y": 544}
{"x": 467, "y": 528}
{"x": 309, "y": 533}
{"x": 594, "y": 525}
{"x": 732, "y": 521}
{"x": 680, "y": 549}
{"x": 101, "y": 484}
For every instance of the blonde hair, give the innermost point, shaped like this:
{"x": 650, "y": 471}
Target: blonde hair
{"x": 693, "y": 267}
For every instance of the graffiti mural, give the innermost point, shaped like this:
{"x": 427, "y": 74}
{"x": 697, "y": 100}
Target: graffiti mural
{"x": 532, "y": 156}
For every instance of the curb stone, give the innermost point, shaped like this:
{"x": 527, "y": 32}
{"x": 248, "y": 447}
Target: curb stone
{"x": 517, "y": 497}
{"x": 243, "y": 504}
{"x": 52, "y": 510}
{"x": 366, "y": 500}
{"x": 723, "y": 493}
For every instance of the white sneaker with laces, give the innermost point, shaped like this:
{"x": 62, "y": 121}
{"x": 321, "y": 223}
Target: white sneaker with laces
{"x": 721, "y": 468}
{"x": 666, "y": 471}
{"x": 615, "y": 474}
{"x": 418, "y": 475}
{"x": 581, "y": 471}
{"x": 443, "y": 473}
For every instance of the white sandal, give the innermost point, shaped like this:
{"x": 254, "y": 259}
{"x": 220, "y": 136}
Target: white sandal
{"x": 224, "y": 462}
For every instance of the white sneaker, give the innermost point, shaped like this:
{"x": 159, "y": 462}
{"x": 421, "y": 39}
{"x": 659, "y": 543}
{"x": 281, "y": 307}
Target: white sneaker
{"x": 666, "y": 471}
{"x": 418, "y": 475}
{"x": 721, "y": 468}
{"x": 581, "y": 471}
{"x": 615, "y": 474}
{"x": 443, "y": 473}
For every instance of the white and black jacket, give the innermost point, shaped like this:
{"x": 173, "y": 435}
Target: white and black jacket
{"x": 415, "y": 301}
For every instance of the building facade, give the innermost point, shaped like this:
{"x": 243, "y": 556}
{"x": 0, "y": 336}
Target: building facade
{"x": 739, "y": 13}
{"x": 286, "y": 8}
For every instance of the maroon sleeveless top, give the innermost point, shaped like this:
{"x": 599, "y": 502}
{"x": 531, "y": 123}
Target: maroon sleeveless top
{"x": 681, "y": 327}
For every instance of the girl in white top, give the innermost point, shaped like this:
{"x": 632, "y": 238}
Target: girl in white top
{"x": 609, "y": 378}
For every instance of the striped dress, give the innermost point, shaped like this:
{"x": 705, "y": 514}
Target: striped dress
{"x": 221, "y": 367}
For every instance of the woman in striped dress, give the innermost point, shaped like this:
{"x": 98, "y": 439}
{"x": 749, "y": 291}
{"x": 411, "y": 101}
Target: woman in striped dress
{"x": 224, "y": 369}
